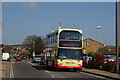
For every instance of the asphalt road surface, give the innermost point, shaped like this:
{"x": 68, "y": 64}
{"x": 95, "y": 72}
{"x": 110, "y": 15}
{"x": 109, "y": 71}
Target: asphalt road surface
{"x": 27, "y": 69}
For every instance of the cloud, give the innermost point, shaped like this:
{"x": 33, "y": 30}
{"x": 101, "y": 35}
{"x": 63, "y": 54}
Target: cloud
{"x": 31, "y": 4}
{"x": 7, "y": 4}
{"x": 26, "y": 4}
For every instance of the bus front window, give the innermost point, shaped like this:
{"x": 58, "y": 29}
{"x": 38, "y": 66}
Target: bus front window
{"x": 70, "y": 54}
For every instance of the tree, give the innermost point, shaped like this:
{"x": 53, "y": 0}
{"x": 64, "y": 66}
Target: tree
{"x": 38, "y": 43}
{"x": 103, "y": 50}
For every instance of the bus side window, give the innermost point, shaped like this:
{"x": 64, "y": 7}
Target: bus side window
{"x": 56, "y": 52}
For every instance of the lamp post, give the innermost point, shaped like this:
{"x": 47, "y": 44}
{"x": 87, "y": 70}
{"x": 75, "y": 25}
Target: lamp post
{"x": 33, "y": 47}
{"x": 98, "y": 27}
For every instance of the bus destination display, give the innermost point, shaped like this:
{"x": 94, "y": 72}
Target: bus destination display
{"x": 70, "y": 44}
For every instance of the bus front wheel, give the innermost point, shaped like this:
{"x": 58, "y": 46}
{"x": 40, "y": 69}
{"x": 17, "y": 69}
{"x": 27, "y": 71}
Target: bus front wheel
{"x": 77, "y": 70}
{"x": 47, "y": 66}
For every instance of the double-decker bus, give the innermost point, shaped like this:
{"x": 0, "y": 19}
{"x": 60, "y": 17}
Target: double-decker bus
{"x": 64, "y": 49}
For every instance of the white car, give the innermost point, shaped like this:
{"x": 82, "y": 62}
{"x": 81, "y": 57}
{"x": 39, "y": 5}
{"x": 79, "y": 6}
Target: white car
{"x": 36, "y": 58}
{"x": 5, "y": 56}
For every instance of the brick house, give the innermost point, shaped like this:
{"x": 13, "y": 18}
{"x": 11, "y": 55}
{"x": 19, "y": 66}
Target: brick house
{"x": 90, "y": 45}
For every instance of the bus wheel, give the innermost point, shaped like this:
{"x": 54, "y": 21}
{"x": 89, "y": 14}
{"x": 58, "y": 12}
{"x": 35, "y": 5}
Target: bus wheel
{"x": 77, "y": 70}
{"x": 47, "y": 66}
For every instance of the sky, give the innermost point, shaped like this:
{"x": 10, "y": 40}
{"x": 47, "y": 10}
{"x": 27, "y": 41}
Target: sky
{"x": 21, "y": 19}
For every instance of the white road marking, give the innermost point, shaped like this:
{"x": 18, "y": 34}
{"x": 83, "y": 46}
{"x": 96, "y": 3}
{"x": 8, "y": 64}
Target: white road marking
{"x": 53, "y": 76}
{"x": 11, "y": 71}
{"x": 50, "y": 73}
{"x": 60, "y": 76}
{"x": 47, "y": 71}
{"x": 31, "y": 63}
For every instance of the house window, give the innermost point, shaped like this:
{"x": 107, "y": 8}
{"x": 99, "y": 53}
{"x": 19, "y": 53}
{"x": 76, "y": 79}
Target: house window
{"x": 86, "y": 43}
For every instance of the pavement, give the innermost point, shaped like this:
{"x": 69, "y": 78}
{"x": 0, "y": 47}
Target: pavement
{"x": 4, "y": 67}
{"x": 102, "y": 73}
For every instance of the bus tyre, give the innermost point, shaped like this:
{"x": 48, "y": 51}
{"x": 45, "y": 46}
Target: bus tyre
{"x": 47, "y": 65}
{"x": 77, "y": 70}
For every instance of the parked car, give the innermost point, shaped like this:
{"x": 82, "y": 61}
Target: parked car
{"x": 42, "y": 60}
{"x": 96, "y": 62}
{"x": 36, "y": 58}
{"x": 5, "y": 57}
{"x": 110, "y": 65}
{"x": 18, "y": 58}
{"x": 108, "y": 57}
{"x": 39, "y": 59}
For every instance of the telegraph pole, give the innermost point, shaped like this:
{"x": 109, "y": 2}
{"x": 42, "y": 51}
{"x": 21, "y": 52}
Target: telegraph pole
{"x": 1, "y": 25}
{"x": 117, "y": 47}
{"x": 1, "y": 37}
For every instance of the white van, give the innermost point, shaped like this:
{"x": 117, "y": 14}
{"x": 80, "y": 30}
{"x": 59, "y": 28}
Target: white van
{"x": 5, "y": 56}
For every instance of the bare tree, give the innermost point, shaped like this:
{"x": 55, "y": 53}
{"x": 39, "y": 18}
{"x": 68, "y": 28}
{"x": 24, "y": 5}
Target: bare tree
{"x": 38, "y": 43}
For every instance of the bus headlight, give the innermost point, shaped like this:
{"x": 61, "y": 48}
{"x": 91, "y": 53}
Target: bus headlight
{"x": 60, "y": 64}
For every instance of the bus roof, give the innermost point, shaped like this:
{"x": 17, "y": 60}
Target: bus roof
{"x": 64, "y": 29}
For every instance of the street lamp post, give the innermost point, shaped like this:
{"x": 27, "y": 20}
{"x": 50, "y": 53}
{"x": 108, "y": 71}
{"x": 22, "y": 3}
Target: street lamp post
{"x": 33, "y": 47}
{"x": 98, "y": 27}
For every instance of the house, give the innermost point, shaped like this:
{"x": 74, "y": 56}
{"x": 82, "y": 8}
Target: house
{"x": 90, "y": 45}
{"x": 112, "y": 50}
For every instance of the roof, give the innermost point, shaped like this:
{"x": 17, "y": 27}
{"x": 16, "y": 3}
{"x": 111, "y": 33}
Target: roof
{"x": 93, "y": 40}
{"x": 62, "y": 29}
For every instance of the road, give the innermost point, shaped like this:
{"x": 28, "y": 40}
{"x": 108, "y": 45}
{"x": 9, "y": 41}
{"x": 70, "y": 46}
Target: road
{"x": 27, "y": 69}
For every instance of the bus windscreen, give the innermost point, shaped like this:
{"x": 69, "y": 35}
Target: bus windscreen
{"x": 70, "y": 54}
